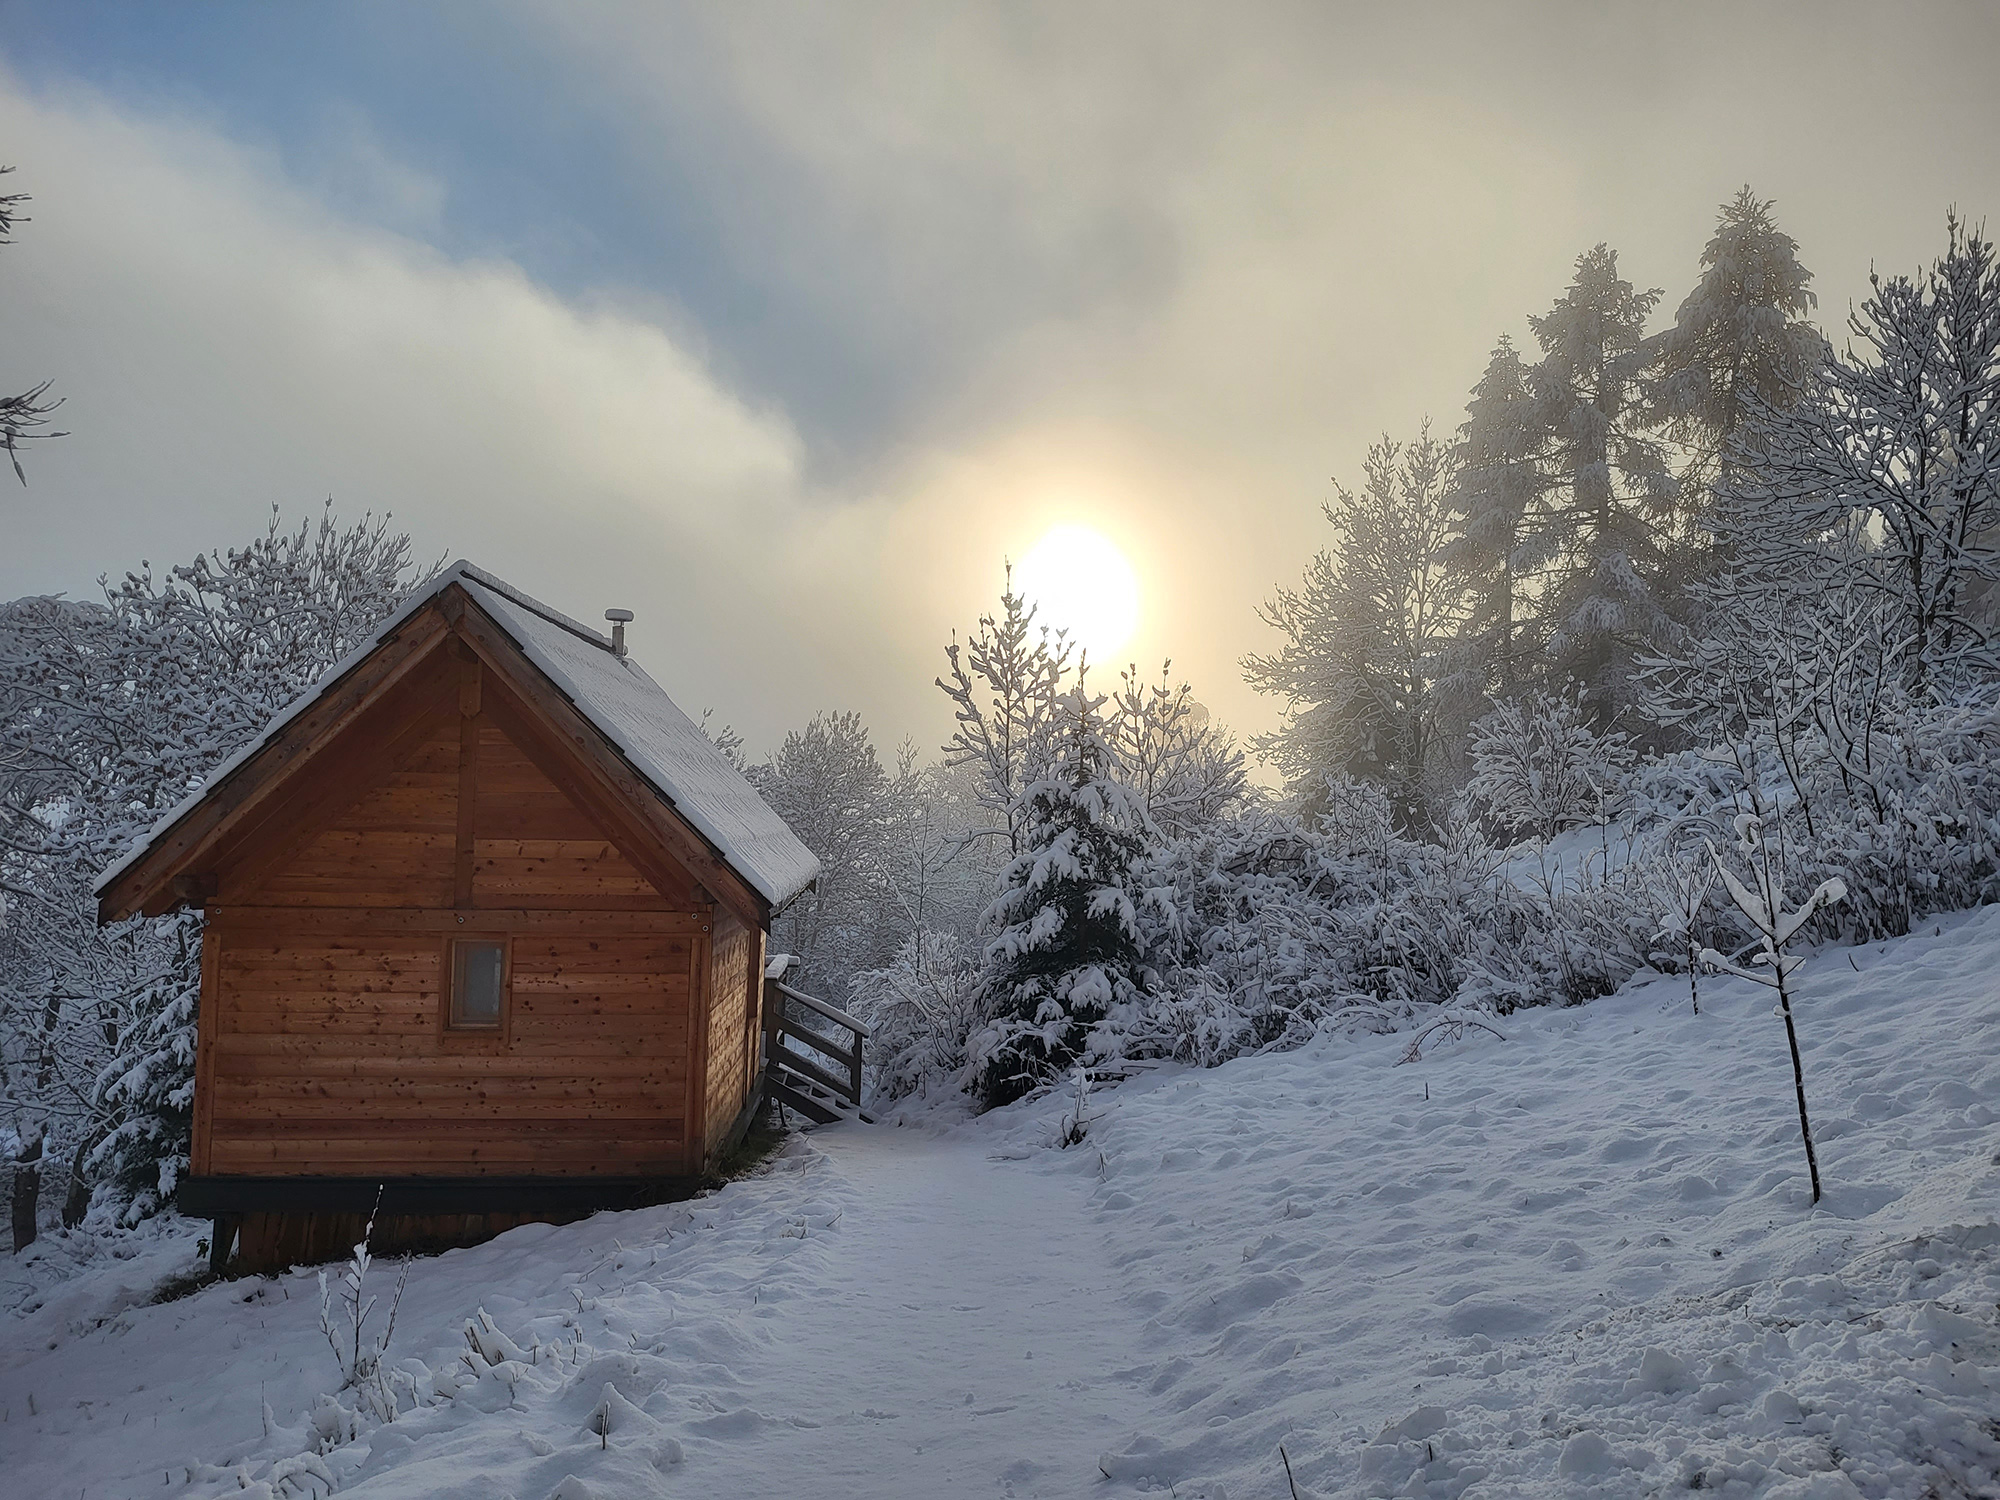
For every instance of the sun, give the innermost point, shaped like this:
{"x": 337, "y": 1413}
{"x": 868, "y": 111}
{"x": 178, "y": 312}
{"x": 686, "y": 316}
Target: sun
{"x": 1079, "y": 581}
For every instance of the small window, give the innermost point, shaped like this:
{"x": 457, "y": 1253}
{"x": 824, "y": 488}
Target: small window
{"x": 478, "y": 981}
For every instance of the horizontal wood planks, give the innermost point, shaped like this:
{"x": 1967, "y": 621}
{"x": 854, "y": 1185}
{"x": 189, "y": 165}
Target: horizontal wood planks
{"x": 729, "y": 967}
{"x": 330, "y": 1056}
{"x": 533, "y": 846}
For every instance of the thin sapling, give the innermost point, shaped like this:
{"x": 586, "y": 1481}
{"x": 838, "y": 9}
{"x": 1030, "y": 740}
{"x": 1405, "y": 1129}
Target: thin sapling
{"x": 1681, "y": 890}
{"x": 1762, "y": 902}
{"x": 343, "y": 1315}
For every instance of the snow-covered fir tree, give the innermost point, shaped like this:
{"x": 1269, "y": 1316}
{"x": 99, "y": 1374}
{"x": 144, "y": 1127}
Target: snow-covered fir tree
{"x": 1064, "y": 972}
{"x": 1740, "y": 335}
{"x": 1497, "y": 483}
{"x": 1610, "y": 484}
{"x": 1366, "y": 635}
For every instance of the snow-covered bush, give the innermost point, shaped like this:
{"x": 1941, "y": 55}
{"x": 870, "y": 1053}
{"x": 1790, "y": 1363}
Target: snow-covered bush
{"x": 343, "y": 1319}
{"x": 1538, "y": 767}
{"x": 1276, "y": 926}
{"x": 921, "y": 1010}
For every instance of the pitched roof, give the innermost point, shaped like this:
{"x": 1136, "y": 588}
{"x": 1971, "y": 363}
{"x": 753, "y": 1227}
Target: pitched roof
{"x": 615, "y": 695}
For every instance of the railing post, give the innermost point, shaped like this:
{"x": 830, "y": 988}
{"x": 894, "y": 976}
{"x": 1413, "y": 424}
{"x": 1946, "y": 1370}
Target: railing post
{"x": 772, "y": 1000}
{"x": 854, "y": 1069}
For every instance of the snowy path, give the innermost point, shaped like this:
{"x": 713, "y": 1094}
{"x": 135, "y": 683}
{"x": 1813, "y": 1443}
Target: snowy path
{"x": 960, "y": 1335}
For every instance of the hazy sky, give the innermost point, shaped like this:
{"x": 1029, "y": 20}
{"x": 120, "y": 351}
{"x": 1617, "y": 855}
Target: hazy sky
{"x": 782, "y": 325}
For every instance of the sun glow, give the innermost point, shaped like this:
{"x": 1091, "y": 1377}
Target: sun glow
{"x": 1079, "y": 581}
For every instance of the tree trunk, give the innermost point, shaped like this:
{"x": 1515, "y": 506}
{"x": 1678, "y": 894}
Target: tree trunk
{"x": 27, "y": 1189}
{"x": 1798, "y": 1078}
{"x": 76, "y": 1202}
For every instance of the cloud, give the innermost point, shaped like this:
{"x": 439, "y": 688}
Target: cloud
{"x": 225, "y": 341}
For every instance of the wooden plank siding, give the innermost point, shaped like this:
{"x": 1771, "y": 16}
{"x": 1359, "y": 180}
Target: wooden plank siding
{"x": 325, "y": 1051}
{"x": 734, "y": 948}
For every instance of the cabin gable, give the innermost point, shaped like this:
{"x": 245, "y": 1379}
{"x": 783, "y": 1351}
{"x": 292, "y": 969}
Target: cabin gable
{"x": 459, "y": 815}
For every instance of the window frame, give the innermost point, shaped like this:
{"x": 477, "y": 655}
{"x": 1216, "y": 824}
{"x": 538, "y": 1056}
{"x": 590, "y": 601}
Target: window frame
{"x": 500, "y": 1028}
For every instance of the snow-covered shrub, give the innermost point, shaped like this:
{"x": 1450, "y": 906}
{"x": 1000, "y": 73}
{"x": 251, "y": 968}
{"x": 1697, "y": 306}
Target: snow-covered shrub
{"x": 1267, "y": 930}
{"x": 343, "y": 1318}
{"x": 1539, "y": 768}
{"x": 1679, "y": 885}
{"x": 921, "y": 1010}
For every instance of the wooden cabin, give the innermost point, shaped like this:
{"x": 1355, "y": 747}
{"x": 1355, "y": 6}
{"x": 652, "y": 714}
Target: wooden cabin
{"x": 485, "y": 928}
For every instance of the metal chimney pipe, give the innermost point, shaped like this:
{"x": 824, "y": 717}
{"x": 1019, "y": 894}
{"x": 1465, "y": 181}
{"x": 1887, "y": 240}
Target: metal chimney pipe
{"x": 618, "y": 617}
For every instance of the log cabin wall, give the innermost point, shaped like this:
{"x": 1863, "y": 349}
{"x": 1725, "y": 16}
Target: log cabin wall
{"x": 327, "y": 955}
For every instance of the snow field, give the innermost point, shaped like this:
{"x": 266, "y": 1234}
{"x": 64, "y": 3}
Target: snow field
{"x": 1584, "y": 1265}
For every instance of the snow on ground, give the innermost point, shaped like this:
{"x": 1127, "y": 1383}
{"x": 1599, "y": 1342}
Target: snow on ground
{"x": 1580, "y": 1261}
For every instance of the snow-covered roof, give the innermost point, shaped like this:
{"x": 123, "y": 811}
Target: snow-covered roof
{"x": 614, "y": 693}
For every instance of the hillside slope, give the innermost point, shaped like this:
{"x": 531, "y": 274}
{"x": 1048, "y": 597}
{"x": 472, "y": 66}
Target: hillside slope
{"x": 1579, "y": 1261}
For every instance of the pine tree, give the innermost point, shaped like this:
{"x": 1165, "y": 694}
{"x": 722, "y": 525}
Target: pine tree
{"x": 1497, "y": 487}
{"x": 1367, "y": 634}
{"x": 1739, "y": 335}
{"x": 1610, "y": 485}
{"x": 1065, "y": 967}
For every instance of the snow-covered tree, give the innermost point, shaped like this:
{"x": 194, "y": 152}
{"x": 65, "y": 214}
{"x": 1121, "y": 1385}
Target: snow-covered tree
{"x": 827, "y": 783}
{"x": 110, "y": 715}
{"x": 1064, "y": 975}
{"x": 1366, "y": 634}
{"x": 1184, "y": 767}
{"x": 1761, "y": 900}
{"x": 1007, "y": 688}
{"x": 1610, "y": 487}
{"x": 922, "y": 1008}
{"x": 1884, "y": 476}
{"x": 1740, "y": 335}
{"x": 1497, "y": 483}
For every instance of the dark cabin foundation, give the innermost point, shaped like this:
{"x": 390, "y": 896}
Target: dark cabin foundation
{"x": 266, "y": 1225}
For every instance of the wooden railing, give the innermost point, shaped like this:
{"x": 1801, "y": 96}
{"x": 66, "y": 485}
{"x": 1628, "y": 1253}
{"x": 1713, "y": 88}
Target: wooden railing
{"x": 808, "y": 1066}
